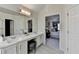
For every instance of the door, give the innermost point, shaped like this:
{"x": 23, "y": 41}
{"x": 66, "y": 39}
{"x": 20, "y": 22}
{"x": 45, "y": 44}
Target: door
{"x": 74, "y": 30}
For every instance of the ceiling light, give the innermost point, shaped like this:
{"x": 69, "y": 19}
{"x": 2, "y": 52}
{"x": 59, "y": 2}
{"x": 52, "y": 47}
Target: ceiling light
{"x": 25, "y": 12}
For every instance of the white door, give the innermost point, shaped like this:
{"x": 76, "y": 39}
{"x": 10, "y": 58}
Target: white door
{"x": 74, "y": 30}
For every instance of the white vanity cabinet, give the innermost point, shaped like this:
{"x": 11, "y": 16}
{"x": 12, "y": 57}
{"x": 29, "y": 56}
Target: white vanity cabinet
{"x": 20, "y": 48}
{"x": 20, "y": 44}
{"x": 39, "y": 40}
{"x": 9, "y": 50}
{"x": 23, "y": 47}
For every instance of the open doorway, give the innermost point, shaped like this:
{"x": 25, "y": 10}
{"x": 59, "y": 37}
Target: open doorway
{"x": 52, "y": 29}
{"x": 9, "y": 27}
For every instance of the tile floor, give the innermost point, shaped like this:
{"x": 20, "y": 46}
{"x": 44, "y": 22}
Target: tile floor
{"x": 54, "y": 43}
{"x": 44, "y": 49}
{"x": 52, "y": 47}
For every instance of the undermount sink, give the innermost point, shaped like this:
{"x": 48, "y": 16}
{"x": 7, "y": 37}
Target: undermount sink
{"x": 11, "y": 39}
{"x": 14, "y": 37}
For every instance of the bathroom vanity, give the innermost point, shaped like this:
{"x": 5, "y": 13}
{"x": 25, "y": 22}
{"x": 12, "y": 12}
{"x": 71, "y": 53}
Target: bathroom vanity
{"x": 18, "y": 44}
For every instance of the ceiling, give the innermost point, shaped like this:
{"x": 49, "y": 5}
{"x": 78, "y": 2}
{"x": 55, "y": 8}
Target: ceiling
{"x": 14, "y": 8}
{"x": 35, "y": 7}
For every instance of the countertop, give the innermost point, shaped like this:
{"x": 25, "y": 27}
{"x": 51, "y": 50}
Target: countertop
{"x": 18, "y": 39}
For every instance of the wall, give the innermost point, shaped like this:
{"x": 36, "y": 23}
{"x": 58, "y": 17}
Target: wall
{"x": 53, "y": 10}
{"x": 34, "y": 19}
{"x": 20, "y": 21}
{"x": 13, "y": 7}
{"x": 19, "y": 24}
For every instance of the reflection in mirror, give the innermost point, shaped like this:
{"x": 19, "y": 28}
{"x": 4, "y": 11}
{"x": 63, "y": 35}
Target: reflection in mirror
{"x": 29, "y": 25}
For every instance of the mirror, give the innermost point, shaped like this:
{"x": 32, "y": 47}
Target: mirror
{"x": 29, "y": 26}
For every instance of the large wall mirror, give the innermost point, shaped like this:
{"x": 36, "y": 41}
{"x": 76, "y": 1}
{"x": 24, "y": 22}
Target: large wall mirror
{"x": 29, "y": 26}
{"x": 9, "y": 27}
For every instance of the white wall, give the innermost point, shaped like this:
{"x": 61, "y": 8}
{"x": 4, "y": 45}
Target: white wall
{"x": 53, "y": 10}
{"x": 19, "y": 22}
{"x": 35, "y": 21}
{"x": 13, "y": 7}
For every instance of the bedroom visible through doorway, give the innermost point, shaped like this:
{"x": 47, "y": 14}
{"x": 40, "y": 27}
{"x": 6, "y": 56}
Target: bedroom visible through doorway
{"x": 52, "y": 29}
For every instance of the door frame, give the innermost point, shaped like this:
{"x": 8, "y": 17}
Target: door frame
{"x": 59, "y": 32}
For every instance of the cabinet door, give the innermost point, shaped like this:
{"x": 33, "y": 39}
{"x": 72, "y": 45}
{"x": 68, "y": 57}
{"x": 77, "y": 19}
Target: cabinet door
{"x": 74, "y": 30}
{"x": 39, "y": 40}
{"x": 9, "y": 50}
{"x": 23, "y": 47}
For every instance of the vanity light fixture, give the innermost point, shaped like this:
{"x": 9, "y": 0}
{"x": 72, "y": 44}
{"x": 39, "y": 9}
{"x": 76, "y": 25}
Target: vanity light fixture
{"x": 25, "y": 12}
